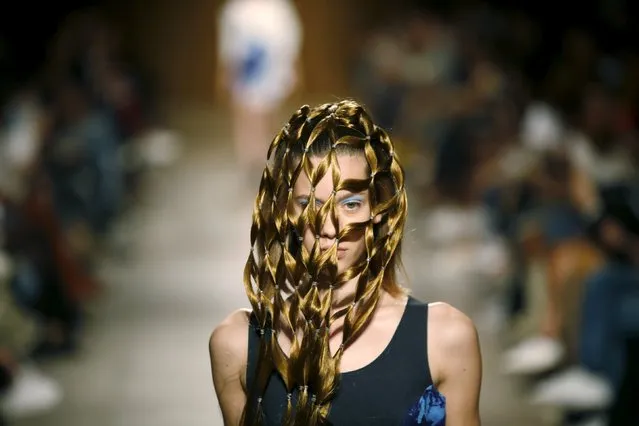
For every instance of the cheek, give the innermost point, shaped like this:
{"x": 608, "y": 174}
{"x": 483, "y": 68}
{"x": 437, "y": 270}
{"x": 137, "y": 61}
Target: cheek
{"x": 361, "y": 215}
{"x": 309, "y": 239}
{"x": 359, "y": 244}
{"x": 365, "y": 213}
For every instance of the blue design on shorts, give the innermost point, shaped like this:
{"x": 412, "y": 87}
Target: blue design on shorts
{"x": 253, "y": 64}
{"x": 429, "y": 410}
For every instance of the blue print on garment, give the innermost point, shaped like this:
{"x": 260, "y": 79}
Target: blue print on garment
{"x": 430, "y": 410}
{"x": 254, "y": 63}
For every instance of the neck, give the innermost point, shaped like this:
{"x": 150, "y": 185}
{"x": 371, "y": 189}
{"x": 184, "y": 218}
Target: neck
{"x": 345, "y": 294}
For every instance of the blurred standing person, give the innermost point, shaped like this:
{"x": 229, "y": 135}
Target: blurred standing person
{"x": 259, "y": 48}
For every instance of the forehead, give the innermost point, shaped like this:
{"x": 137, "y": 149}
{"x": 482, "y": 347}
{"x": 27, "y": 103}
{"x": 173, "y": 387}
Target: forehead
{"x": 351, "y": 166}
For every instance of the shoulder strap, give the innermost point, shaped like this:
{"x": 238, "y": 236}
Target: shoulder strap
{"x": 253, "y": 351}
{"x": 412, "y": 335}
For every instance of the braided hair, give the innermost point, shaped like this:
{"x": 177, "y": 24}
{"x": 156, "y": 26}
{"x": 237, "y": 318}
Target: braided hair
{"x": 290, "y": 288}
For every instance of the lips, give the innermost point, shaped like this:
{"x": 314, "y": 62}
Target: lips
{"x": 340, "y": 252}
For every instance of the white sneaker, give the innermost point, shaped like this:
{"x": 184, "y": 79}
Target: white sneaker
{"x": 533, "y": 356}
{"x": 161, "y": 148}
{"x": 576, "y": 389}
{"x": 31, "y": 393}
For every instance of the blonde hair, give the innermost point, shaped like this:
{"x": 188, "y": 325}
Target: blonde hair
{"x": 290, "y": 289}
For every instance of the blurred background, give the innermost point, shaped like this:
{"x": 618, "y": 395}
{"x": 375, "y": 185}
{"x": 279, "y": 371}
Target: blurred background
{"x": 131, "y": 140}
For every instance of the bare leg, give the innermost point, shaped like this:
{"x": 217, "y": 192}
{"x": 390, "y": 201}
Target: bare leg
{"x": 252, "y": 133}
{"x": 568, "y": 266}
{"x": 568, "y": 263}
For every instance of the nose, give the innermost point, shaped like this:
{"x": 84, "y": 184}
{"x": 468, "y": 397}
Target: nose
{"x": 327, "y": 233}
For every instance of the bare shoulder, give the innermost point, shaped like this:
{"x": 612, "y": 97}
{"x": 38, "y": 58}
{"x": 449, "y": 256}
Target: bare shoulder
{"x": 450, "y": 325}
{"x": 452, "y": 336}
{"x": 228, "y": 348}
{"x": 229, "y": 339}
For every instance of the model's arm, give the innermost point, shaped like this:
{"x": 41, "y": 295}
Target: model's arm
{"x": 228, "y": 348}
{"x": 455, "y": 360}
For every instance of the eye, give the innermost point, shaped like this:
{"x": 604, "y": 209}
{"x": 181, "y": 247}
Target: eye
{"x": 352, "y": 204}
{"x": 303, "y": 202}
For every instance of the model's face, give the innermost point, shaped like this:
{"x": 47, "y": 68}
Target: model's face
{"x": 350, "y": 208}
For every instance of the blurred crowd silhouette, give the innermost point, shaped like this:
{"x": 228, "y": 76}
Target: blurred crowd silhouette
{"x": 76, "y": 136}
{"x": 519, "y": 132}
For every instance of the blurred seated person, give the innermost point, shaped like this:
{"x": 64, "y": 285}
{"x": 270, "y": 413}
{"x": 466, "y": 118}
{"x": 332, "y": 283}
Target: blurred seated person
{"x": 598, "y": 153}
{"x": 553, "y": 232}
{"x": 24, "y": 233}
{"x": 522, "y": 178}
{"x": 47, "y": 280}
{"x": 593, "y": 160}
{"x": 83, "y": 161}
{"x": 609, "y": 312}
{"x": 23, "y": 388}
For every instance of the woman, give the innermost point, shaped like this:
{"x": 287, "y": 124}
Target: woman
{"x": 332, "y": 337}
{"x": 258, "y": 69}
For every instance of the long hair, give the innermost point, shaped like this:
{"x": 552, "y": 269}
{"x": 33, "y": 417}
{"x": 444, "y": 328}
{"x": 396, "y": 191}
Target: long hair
{"x": 289, "y": 288}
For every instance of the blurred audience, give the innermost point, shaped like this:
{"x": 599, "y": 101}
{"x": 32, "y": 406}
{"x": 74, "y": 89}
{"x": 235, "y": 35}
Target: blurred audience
{"x": 521, "y": 139}
{"x": 526, "y": 133}
{"x": 75, "y": 136}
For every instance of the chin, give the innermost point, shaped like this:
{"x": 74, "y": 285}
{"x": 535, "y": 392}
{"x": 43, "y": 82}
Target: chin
{"x": 343, "y": 265}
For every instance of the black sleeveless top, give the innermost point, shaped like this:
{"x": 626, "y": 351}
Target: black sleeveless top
{"x": 381, "y": 393}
